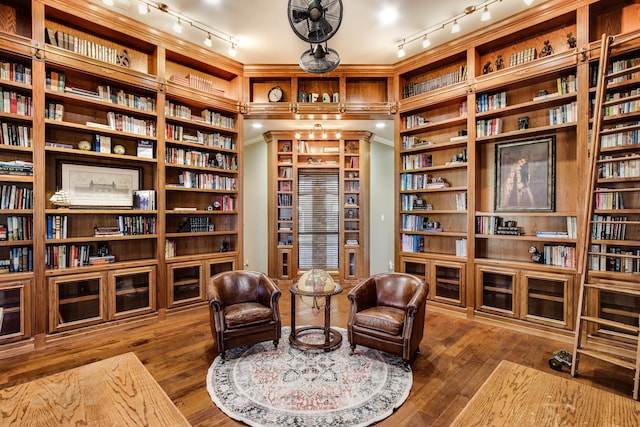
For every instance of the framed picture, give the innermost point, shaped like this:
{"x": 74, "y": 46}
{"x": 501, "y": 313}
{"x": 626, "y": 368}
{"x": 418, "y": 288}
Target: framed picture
{"x": 107, "y": 187}
{"x": 525, "y": 175}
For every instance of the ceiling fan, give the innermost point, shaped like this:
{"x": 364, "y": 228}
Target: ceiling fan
{"x": 315, "y": 23}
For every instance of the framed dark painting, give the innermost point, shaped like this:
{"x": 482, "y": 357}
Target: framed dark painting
{"x": 525, "y": 175}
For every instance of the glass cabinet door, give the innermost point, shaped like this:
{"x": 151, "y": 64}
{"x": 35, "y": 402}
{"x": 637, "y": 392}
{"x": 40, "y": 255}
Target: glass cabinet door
{"x": 133, "y": 291}
{"x": 497, "y": 291}
{"x": 185, "y": 283}
{"x": 448, "y": 282}
{"x": 547, "y": 299}
{"x": 76, "y": 300}
{"x": 14, "y": 300}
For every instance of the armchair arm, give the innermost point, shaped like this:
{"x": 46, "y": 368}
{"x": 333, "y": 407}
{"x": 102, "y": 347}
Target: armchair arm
{"x": 268, "y": 292}
{"x": 417, "y": 300}
{"x": 363, "y": 295}
{"x": 214, "y": 297}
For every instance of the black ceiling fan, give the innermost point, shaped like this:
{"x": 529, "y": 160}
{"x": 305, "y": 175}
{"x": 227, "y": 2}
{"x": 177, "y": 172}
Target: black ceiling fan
{"x": 313, "y": 21}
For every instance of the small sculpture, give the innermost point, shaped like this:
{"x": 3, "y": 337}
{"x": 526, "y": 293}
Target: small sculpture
{"x": 499, "y": 62}
{"x": 60, "y": 199}
{"x": 546, "y": 49}
{"x": 571, "y": 40}
{"x": 487, "y": 68}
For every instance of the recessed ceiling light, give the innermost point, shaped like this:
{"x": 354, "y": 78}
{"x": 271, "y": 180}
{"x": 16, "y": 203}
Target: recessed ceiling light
{"x": 257, "y": 125}
{"x": 388, "y": 15}
{"x": 380, "y": 125}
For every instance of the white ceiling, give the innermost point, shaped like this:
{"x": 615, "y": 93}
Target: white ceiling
{"x": 264, "y": 35}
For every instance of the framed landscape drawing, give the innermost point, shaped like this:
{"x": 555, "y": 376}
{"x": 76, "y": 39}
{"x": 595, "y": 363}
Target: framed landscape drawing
{"x": 97, "y": 186}
{"x": 525, "y": 175}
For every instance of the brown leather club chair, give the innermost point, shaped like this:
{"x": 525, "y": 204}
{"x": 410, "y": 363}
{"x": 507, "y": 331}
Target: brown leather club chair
{"x": 244, "y": 309}
{"x": 387, "y": 314}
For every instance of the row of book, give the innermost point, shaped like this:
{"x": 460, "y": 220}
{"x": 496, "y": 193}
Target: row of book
{"x": 608, "y": 199}
{"x": 419, "y": 223}
{"x": 197, "y": 82}
{"x": 55, "y": 81}
{"x": 224, "y": 202}
{"x": 620, "y": 167}
{"x": 86, "y": 47}
{"x": 195, "y": 224}
{"x": 124, "y": 123}
{"x": 144, "y": 199}
{"x": 629, "y": 137}
{"x": 57, "y": 226}
{"x": 412, "y": 243}
{"x": 523, "y": 56}
{"x": 489, "y": 127}
{"x": 15, "y": 103}
{"x": 217, "y": 119}
{"x": 15, "y": 72}
{"x": 613, "y": 258}
{"x": 353, "y": 162}
{"x": 170, "y": 248}
{"x": 19, "y": 259}
{"x": 567, "y": 113}
{"x": 409, "y": 142}
{"x": 490, "y": 102}
{"x": 177, "y": 110}
{"x": 409, "y": 122}
{"x": 15, "y": 134}
{"x": 621, "y": 65}
{"x": 217, "y": 140}
{"x": 17, "y": 228}
{"x": 495, "y": 225}
{"x": 209, "y": 181}
{"x": 452, "y": 77}
{"x": 54, "y": 111}
{"x": 72, "y": 256}
{"x": 187, "y": 157}
{"x": 120, "y": 97}
{"x": 461, "y": 247}
{"x": 16, "y": 167}
{"x": 135, "y": 225}
{"x": 632, "y": 106}
{"x": 352, "y": 186}
{"x": 559, "y": 255}
{"x": 417, "y": 161}
{"x": 286, "y": 172}
{"x": 14, "y": 197}
{"x": 285, "y": 186}
{"x": 608, "y": 227}
{"x": 416, "y": 181}
{"x": 285, "y": 199}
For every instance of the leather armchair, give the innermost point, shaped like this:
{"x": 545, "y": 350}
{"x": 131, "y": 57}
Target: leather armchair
{"x": 387, "y": 313}
{"x": 244, "y": 309}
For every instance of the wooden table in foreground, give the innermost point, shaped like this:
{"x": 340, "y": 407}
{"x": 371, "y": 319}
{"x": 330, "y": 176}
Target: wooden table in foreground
{"x": 516, "y": 395}
{"x": 114, "y": 392}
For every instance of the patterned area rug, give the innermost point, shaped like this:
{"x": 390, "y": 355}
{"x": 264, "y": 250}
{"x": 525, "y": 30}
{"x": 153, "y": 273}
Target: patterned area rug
{"x": 263, "y": 386}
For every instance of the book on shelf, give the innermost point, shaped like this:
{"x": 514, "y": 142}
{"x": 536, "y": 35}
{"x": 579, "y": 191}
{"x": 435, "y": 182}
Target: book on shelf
{"x": 16, "y": 167}
{"x": 144, "y": 199}
{"x": 185, "y": 209}
{"x": 58, "y": 145}
{"x": 145, "y": 149}
{"x": 552, "y": 234}
{"x": 352, "y": 242}
{"x": 105, "y": 259}
{"x": 107, "y": 231}
{"x": 546, "y": 96}
{"x": 82, "y": 92}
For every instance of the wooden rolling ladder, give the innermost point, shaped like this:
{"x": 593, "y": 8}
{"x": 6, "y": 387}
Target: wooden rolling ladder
{"x": 611, "y": 237}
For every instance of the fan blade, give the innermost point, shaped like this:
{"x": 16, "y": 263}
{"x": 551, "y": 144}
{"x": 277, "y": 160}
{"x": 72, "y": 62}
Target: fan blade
{"x": 318, "y": 31}
{"x": 299, "y": 15}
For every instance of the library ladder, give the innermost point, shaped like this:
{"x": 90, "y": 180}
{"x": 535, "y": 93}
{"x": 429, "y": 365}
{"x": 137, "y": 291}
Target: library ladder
{"x": 608, "y": 312}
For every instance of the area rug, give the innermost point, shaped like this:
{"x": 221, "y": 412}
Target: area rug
{"x": 263, "y": 386}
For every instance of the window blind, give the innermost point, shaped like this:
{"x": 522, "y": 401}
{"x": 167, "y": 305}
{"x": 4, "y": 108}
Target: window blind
{"x": 318, "y": 220}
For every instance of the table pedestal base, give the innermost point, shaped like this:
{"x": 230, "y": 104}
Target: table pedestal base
{"x": 332, "y": 338}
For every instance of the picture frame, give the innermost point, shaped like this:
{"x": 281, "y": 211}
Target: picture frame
{"x": 99, "y": 186}
{"x": 525, "y": 175}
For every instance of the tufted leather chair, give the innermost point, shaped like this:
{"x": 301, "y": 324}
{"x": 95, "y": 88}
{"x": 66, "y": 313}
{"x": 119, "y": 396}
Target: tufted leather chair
{"x": 387, "y": 314}
{"x": 244, "y": 309}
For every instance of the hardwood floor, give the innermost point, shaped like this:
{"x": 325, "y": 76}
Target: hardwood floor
{"x": 456, "y": 357}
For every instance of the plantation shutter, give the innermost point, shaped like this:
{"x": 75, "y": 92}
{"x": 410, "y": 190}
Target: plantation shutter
{"x": 318, "y": 220}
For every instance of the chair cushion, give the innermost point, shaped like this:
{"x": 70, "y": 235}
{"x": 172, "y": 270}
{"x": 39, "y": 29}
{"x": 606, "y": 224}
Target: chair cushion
{"x": 382, "y": 318}
{"x": 245, "y": 314}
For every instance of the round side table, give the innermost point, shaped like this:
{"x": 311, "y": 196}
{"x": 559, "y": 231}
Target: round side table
{"x": 332, "y": 338}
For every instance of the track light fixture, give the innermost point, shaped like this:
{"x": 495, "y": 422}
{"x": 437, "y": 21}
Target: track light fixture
{"x": 144, "y": 7}
{"x": 455, "y": 25}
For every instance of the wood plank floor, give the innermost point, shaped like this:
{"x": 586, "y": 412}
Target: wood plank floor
{"x": 456, "y": 357}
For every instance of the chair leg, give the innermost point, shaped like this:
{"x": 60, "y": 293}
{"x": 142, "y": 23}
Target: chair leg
{"x": 275, "y": 343}
{"x": 406, "y": 365}
{"x": 353, "y": 349}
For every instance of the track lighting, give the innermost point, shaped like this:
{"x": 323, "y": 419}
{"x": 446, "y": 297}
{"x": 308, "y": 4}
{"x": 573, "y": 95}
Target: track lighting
{"x": 208, "y": 42}
{"x": 425, "y": 41}
{"x": 338, "y": 134}
{"x": 232, "y": 50}
{"x": 528, "y": 2}
{"x": 297, "y": 134}
{"x": 108, "y": 2}
{"x": 401, "y": 52}
{"x": 486, "y": 15}
{"x": 455, "y": 27}
{"x": 143, "y": 8}
{"x": 177, "y": 27}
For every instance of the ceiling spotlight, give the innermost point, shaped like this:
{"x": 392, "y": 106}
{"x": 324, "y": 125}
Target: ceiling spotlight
{"x": 177, "y": 27}
{"x": 108, "y": 2}
{"x": 486, "y": 15}
{"x": 310, "y": 134}
{"x": 208, "y": 42}
{"x": 143, "y": 8}
{"x": 425, "y": 41}
{"x": 401, "y": 52}
{"x": 232, "y": 49}
{"x": 297, "y": 135}
{"x": 455, "y": 28}
{"x": 528, "y": 2}
{"x": 338, "y": 134}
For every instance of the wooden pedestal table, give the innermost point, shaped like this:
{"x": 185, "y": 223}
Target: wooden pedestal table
{"x": 118, "y": 391}
{"x": 332, "y": 338}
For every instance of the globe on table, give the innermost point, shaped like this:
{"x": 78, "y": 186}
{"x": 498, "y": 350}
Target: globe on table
{"x": 315, "y": 280}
